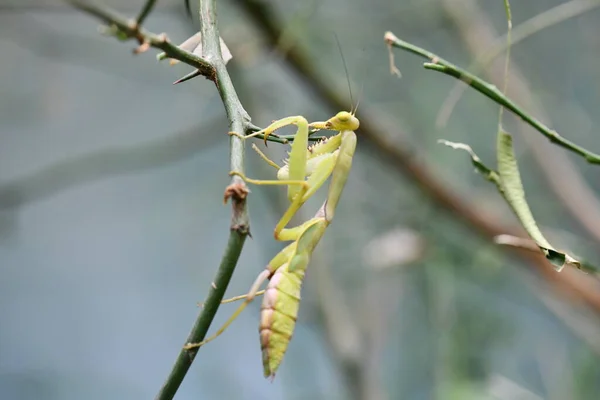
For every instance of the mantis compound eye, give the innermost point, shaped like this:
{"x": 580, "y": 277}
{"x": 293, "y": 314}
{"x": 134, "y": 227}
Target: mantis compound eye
{"x": 345, "y": 121}
{"x": 343, "y": 116}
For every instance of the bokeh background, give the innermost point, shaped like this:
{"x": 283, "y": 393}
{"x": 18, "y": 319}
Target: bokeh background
{"x": 112, "y": 223}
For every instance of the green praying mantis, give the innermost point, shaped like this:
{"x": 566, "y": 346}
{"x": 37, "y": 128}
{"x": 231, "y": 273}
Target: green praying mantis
{"x": 305, "y": 171}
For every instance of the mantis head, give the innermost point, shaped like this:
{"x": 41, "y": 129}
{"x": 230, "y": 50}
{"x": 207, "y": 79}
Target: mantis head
{"x": 343, "y": 121}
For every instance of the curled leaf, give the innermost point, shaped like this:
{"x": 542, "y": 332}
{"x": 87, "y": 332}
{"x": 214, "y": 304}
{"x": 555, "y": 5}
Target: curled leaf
{"x": 484, "y": 170}
{"x": 508, "y": 181}
{"x": 512, "y": 188}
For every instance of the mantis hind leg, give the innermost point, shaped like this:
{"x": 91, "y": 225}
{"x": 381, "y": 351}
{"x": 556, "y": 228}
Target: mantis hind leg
{"x": 276, "y": 262}
{"x": 277, "y": 125}
{"x": 249, "y": 297}
{"x": 237, "y": 298}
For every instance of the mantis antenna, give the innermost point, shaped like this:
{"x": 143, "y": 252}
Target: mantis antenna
{"x": 353, "y": 109}
{"x": 337, "y": 40}
{"x": 362, "y": 87}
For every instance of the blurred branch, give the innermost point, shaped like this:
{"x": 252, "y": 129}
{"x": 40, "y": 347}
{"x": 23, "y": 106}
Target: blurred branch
{"x": 465, "y": 14}
{"x": 405, "y": 160}
{"x": 86, "y": 168}
{"x": 386, "y": 256}
{"x": 341, "y": 330}
{"x": 565, "y": 181}
{"x": 507, "y": 59}
{"x": 128, "y": 29}
{"x": 490, "y": 91}
{"x": 580, "y": 324}
{"x": 523, "y": 243}
{"x": 356, "y": 335}
{"x": 46, "y": 6}
{"x": 212, "y": 66}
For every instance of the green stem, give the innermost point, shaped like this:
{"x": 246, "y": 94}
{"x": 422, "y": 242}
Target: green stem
{"x": 145, "y": 11}
{"x": 487, "y": 89}
{"x": 506, "y": 59}
{"x": 204, "y": 320}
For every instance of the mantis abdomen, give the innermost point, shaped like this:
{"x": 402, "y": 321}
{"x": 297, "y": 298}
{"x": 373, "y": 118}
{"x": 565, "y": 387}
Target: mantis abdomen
{"x": 278, "y": 316}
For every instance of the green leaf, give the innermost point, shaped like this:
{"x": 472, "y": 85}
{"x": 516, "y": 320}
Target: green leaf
{"x": 508, "y": 181}
{"x": 512, "y": 189}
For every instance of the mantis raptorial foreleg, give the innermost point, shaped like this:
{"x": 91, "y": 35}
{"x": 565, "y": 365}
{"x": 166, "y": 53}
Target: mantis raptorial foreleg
{"x": 307, "y": 169}
{"x": 265, "y": 158}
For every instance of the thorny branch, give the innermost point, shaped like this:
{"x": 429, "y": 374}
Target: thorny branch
{"x": 212, "y": 66}
{"x": 239, "y": 121}
{"x": 131, "y": 29}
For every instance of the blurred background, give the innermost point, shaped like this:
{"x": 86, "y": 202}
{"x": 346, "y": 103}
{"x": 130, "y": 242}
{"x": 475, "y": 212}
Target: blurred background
{"x": 112, "y": 223}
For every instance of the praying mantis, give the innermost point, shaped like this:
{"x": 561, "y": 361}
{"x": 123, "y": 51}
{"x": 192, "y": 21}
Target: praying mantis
{"x": 305, "y": 171}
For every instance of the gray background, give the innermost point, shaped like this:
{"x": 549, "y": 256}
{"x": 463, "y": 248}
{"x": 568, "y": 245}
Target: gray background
{"x": 112, "y": 223}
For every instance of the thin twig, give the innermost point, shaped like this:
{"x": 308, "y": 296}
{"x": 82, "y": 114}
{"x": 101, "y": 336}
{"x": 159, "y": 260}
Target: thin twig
{"x": 493, "y": 49}
{"x": 131, "y": 30}
{"x": 490, "y": 91}
{"x": 341, "y": 329}
{"x": 507, "y": 59}
{"x": 146, "y": 10}
{"x": 406, "y": 161}
{"x": 523, "y": 243}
